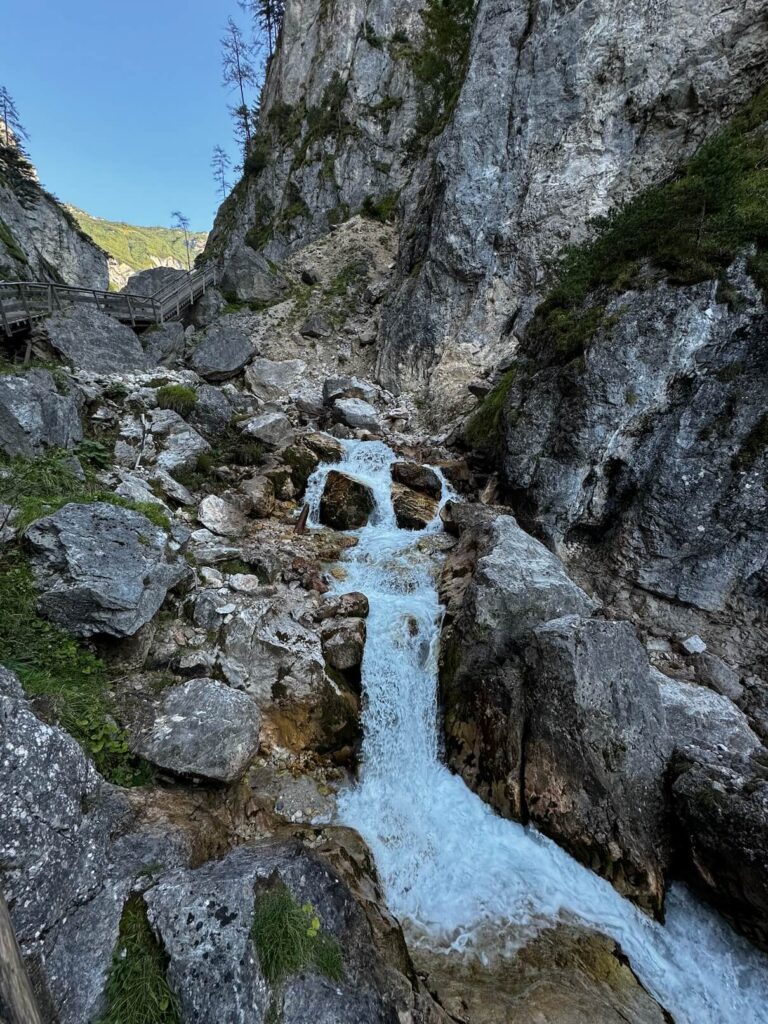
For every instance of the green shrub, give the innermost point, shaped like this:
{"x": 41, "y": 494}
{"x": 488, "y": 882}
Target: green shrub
{"x": 689, "y": 229}
{"x": 289, "y": 939}
{"x": 178, "y": 397}
{"x": 137, "y": 990}
{"x": 257, "y": 159}
{"x": 370, "y": 36}
{"x": 68, "y": 683}
{"x": 440, "y": 65}
{"x": 382, "y": 210}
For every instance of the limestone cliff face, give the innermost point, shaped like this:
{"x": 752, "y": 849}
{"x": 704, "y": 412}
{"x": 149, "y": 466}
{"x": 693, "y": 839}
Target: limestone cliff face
{"x": 567, "y": 110}
{"x": 338, "y": 103}
{"x": 40, "y": 240}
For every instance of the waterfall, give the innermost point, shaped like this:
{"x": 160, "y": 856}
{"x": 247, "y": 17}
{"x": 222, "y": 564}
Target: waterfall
{"x": 457, "y": 876}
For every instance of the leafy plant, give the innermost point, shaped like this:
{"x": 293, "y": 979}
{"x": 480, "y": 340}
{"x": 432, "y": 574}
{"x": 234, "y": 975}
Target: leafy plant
{"x": 482, "y": 426}
{"x": 289, "y": 937}
{"x": 137, "y": 989}
{"x": 382, "y": 210}
{"x": 178, "y": 397}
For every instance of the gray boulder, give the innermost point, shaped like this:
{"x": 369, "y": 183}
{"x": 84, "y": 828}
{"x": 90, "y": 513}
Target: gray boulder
{"x": 204, "y": 728}
{"x": 222, "y": 353}
{"x": 101, "y": 569}
{"x": 222, "y": 517}
{"x": 33, "y": 415}
{"x": 164, "y": 344}
{"x": 208, "y": 308}
{"x": 357, "y": 414}
{"x": 594, "y": 755}
{"x": 418, "y": 478}
{"x": 271, "y": 428}
{"x": 212, "y": 413}
{"x": 71, "y": 850}
{"x": 347, "y": 387}
{"x": 90, "y": 340}
{"x": 204, "y": 919}
{"x": 248, "y": 277}
{"x": 156, "y": 279}
{"x": 317, "y": 325}
{"x": 271, "y": 379}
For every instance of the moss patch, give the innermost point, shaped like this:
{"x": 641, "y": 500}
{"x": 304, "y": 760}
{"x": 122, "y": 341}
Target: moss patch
{"x": 289, "y": 938}
{"x": 137, "y": 989}
{"x": 482, "y": 426}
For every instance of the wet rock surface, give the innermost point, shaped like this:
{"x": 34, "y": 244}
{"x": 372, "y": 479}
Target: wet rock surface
{"x": 414, "y": 510}
{"x": 346, "y": 504}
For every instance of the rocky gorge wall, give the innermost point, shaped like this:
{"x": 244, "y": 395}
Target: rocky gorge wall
{"x": 39, "y": 239}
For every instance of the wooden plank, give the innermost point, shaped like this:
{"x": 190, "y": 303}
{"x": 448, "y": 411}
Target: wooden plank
{"x": 17, "y": 1000}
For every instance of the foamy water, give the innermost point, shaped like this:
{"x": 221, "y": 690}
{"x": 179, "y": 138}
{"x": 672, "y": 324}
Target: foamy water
{"x": 456, "y": 874}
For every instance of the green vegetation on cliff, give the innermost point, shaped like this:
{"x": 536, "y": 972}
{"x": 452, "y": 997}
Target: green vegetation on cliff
{"x": 137, "y": 247}
{"x": 689, "y": 229}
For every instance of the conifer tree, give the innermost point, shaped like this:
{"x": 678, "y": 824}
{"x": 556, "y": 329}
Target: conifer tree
{"x": 220, "y": 164}
{"x": 237, "y": 61}
{"x": 267, "y": 18}
{"x": 12, "y": 131}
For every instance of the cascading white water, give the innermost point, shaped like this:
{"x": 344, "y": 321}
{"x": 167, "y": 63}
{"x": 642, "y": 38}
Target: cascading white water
{"x": 455, "y": 873}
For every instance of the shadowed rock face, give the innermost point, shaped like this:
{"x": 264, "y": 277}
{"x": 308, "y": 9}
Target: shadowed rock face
{"x": 89, "y": 340}
{"x": 645, "y": 464}
{"x": 346, "y": 504}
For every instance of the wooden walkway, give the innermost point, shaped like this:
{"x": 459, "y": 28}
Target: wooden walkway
{"x": 24, "y": 302}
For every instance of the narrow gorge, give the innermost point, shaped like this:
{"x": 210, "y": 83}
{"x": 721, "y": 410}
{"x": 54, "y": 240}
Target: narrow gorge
{"x": 383, "y": 632}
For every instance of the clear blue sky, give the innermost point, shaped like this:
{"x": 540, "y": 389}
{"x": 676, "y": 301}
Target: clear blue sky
{"x": 123, "y": 101}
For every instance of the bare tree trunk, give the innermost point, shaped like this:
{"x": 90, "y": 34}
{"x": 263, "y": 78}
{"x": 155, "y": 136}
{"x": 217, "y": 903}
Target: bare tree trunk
{"x": 17, "y": 1000}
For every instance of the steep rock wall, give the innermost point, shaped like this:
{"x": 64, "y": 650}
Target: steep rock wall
{"x": 567, "y": 110}
{"x": 338, "y": 102}
{"x": 39, "y": 239}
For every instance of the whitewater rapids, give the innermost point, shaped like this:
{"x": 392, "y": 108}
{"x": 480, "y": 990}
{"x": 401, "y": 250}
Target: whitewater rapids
{"x": 458, "y": 876}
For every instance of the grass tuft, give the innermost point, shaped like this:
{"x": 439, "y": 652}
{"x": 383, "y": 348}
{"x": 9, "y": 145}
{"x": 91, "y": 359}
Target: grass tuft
{"x": 289, "y": 939}
{"x": 177, "y": 397}
{"x": 137, "y": 989}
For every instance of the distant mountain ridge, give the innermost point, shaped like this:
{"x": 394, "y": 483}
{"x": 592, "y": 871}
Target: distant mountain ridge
{"x": 132, "y": 248}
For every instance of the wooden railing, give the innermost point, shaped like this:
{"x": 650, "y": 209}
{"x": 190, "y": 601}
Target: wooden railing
{"x": 24, "y": 302}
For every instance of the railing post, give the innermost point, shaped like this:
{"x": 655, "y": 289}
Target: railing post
{"x": 17, "y": 999}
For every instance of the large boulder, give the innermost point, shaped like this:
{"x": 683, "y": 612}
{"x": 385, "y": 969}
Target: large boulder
{"x": 418, "y": 478}
{"x": 71, "y": 850}
{"x": 205, "y": 728}
{"x": 414, "y": 510}
{"x": 205, "y": 920}
{"x": 355, "y": 413}
{"x": 212, "y": 413}
{"x": 90, "y": 340}
{"x": 155, "y": 279}
{"x": 221, "y": 353}
{"x": 270, "y": 379}
{"x": 594, "y": 753}
{"x": 347, "y": 387}
{"x": 102, "y": 569}
{"x": 270, "y": 428}
{"x": 34, "y": 415}
{"x": 222, "y": 517}
{"x": 345, "y": 504}
{"x": 720, "y": 814}
{"x": 248, "y": 277}
{"x": 164, "y": 344}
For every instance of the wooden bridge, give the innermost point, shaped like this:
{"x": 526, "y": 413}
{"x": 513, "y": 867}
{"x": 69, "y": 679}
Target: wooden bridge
{"x": 22, "y": 303}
